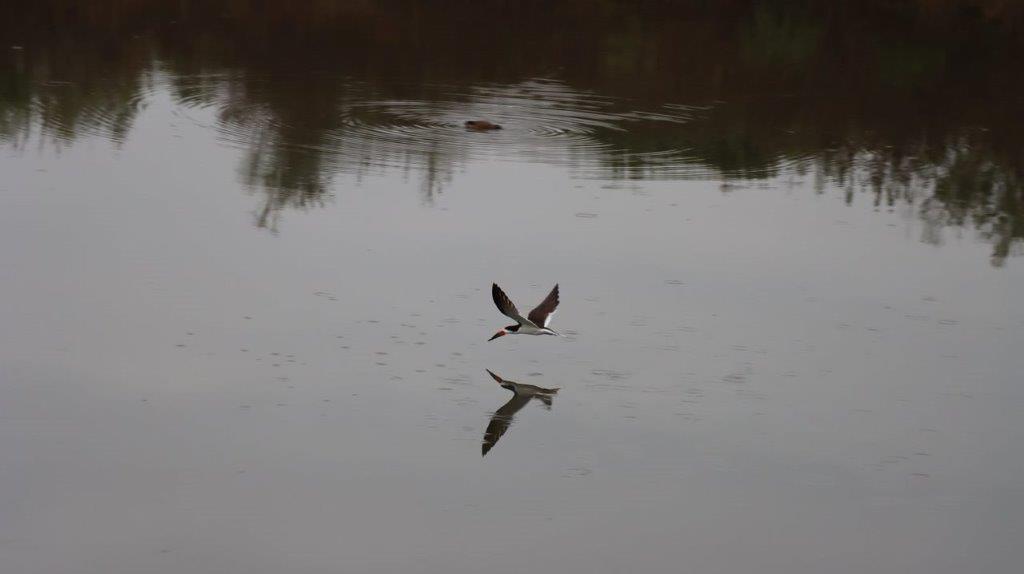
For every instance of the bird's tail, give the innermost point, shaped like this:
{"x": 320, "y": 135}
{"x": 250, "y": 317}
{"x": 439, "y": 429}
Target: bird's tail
{"x": 547, "y": 397}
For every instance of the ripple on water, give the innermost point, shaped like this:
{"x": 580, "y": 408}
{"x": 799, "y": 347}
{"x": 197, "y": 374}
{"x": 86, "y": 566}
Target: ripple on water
{"x": 105, "y": 110}
{"x": 543, "y": 120}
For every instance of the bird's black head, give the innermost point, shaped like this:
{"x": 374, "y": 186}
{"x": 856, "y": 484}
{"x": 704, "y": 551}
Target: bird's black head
{"x": 512, "y": 328}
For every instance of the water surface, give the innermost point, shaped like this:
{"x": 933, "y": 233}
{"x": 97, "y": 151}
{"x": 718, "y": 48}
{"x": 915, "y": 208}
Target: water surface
{"x": 246, "y": 280}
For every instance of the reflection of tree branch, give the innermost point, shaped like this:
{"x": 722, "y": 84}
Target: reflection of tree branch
{"x": 265, "y": 215}
{"x": 436, "y": 173}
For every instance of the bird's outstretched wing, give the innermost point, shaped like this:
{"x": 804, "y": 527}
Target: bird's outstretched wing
{"x": 542, "y": 313}
{"x": 501, "y": 420}
{"x": 505, "y": 305}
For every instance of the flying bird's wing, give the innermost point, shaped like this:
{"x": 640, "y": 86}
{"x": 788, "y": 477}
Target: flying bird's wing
{"x": 542, "y": 313}
{"x": 501, "y": 420}
{"x": 505, "y": 305}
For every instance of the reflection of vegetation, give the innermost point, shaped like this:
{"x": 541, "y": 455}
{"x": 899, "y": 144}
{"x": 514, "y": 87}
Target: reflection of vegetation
{"x": 911, "y": 100}
{"x": 291, "y": 176}
{"x": 971, "y": 186}
{"x": 63, "y": 90}
{"x": 962, "y": 185}
{"x": 284, "y": 144}
{"x": 778, "y": 39}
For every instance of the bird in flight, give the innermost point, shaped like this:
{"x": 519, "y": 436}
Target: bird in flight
{"x": 522, "y": 394}
{"x": 536, "y": 323}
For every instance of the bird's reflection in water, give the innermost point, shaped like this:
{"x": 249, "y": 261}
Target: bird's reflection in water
{"x": 522, "y": 394}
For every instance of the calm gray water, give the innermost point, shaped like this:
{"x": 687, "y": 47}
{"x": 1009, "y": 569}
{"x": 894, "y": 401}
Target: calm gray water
{"x": 231, "y": 344}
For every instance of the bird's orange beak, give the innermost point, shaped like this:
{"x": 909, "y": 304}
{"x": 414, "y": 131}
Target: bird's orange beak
{"x": 496, "y": 335}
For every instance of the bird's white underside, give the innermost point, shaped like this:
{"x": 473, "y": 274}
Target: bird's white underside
{"x": 531, "y": 329}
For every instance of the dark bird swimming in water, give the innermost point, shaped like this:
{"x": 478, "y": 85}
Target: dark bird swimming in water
{"x": 522, "y": 394}
{"x": 481, "y": 125}
{"x": 536, "y": 323}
